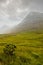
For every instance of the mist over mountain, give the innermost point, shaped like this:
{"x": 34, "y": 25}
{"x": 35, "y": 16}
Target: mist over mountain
{"x": 12, "y": 12}
{"x": 33, "y": 21}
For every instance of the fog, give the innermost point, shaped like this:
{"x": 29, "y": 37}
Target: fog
{"x": 12, "y": 12}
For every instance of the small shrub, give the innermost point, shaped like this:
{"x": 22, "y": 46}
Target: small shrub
{"x": 9, "y": 54}
{"x": 9, "y": 49}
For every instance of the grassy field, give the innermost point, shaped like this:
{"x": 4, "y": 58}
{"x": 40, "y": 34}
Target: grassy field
{"x": 29, "y": 49}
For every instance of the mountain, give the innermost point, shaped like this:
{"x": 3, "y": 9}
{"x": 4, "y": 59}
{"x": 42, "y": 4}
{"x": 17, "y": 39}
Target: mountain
{"x": 33, "y": 21}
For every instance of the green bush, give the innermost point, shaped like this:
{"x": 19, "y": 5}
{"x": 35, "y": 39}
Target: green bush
{"x": 9, "y": 49}
{"x": 9, "y": 54}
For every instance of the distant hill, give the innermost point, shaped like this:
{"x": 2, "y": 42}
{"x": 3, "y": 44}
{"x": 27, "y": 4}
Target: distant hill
{"x": 33, "y": 21}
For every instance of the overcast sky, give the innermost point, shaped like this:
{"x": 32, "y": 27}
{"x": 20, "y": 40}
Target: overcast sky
{"x": 12, "y": 12}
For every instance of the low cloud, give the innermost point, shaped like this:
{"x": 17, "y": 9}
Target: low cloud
{"x": 12, "y": 12}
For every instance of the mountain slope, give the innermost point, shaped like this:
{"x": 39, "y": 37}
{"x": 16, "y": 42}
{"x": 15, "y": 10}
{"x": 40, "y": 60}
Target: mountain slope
{"x": 33, "y": 21}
